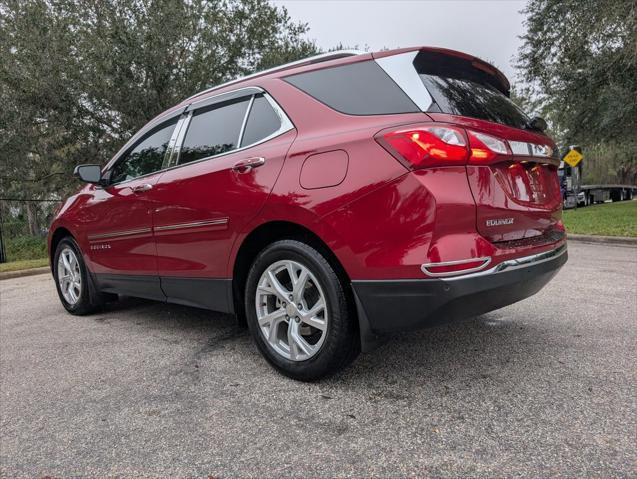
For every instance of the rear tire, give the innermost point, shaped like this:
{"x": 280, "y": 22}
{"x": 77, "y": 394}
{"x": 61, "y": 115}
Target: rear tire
{"x": 73, "y": 281}
{"x": 297, "y": 312}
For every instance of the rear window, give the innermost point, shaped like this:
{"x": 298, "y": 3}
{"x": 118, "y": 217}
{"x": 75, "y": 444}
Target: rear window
{"x": 459, "y": 87}
{"x": 458, "y": 96}
{"x": 361, "y": 88}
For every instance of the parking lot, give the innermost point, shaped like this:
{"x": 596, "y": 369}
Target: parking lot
{"x": 543, "y": 388}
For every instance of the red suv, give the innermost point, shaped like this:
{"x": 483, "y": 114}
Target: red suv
{"x": 327, "y": 202}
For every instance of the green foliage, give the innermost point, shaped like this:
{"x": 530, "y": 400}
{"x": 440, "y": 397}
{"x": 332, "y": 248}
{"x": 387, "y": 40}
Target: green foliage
{"x": 79, "y": 77}
{"x": 23, "y": 264}
{"x": 25, "y": 247}
{"x": 609, "y": 219}
{"x": 579, "y": 62}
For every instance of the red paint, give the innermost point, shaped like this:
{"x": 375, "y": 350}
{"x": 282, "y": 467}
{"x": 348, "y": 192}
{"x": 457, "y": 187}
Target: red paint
{"x": 381, "y": 218}
{"x": 324, "y": 170}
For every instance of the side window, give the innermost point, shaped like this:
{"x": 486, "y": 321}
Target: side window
{"x": 262, "y": 121}
{"x": 361, "y": 88}
{"x": 213, "y": 130}
{"x": 146, "y": 156}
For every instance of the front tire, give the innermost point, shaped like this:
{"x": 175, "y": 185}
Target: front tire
{"x": 298, "y": 313}
{"x": 73, "y": 281}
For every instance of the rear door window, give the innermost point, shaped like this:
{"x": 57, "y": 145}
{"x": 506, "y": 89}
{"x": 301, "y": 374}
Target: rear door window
{"x": 262, "y": 122}
{"x": 361, "y": 88}
{"x": 213, "y": 130}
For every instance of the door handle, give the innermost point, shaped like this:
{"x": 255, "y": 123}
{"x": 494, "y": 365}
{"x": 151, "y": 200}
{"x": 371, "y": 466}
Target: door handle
{"x": 142, "y": 188}
{"x": 246, "y": 165}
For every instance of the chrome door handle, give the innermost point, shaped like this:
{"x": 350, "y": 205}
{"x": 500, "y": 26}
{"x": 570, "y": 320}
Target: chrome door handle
{"x": 246, "y": 165}
{"x": 142, "y": 188}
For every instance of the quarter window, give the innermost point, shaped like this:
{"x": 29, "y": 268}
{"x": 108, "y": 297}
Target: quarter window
{"x": 146, "y": 156}
{"x": 361, "y": 88}
{"x": 262, "y": 121}
{"x": 213, "y": 130}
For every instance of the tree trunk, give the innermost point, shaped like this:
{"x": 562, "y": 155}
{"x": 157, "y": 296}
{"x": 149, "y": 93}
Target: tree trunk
{"x": 32, "y": 218}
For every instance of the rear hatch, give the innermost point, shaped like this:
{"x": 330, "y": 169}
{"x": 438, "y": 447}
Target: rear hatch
{"x": 512, "y": 166}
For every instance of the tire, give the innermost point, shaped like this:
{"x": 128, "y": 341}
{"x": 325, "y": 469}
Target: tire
{"x": 315, "y": 352}
{"x": 87, "y": 298}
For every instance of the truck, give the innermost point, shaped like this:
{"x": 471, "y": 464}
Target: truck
{"x": 575, "y": 194}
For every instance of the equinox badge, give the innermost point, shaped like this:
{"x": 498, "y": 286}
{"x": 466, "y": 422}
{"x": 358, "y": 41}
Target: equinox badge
{"x": 500, "y": 222}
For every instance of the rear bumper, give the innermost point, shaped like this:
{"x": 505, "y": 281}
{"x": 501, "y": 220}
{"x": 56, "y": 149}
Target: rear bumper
{"x": 399, "y": 305}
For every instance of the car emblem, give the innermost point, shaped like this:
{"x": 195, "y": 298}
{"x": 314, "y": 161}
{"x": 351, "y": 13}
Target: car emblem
{"x": 500, "y": 221}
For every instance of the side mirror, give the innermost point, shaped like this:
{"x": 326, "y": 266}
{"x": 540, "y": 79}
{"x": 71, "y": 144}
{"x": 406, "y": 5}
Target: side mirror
{"x": 88, "y": 173}
{"x": 538, "y": 123}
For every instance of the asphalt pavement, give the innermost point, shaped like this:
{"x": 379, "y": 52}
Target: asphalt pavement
{"x": 543, "y": 388}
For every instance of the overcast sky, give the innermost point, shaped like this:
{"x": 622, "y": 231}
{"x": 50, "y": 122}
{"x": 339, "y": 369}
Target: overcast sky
{"x": 486, "y": 29}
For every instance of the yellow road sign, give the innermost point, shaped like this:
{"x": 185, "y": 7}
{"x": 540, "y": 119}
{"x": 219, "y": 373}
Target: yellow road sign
{"x": 573, "y": 157}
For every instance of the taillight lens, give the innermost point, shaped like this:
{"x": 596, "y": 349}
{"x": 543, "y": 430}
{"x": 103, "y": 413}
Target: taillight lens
{"x": 424, "y": 147}
{"x": 486, "y": 148}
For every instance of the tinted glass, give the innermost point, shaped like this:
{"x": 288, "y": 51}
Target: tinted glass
{"x": 213, "y": 130}
{"x": 464, "y": 97}
{"x": 146, "y": 156}
{"x": 262, "y": 121}
{"x": 361, "y": 88}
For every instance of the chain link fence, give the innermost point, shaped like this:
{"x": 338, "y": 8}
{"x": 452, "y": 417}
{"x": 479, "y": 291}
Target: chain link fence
{"x": 24, "y": 226}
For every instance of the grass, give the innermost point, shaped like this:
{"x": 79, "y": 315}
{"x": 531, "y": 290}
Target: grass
{"x": 23, "y": 264}
{"x": 608, "y": 219}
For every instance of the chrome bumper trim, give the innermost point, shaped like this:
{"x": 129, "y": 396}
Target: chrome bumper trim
{"x": 515, "y": 263}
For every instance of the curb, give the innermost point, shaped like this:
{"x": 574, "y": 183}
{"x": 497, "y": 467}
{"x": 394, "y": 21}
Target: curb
{"x": 616, "y": 240}
{"x": 24, "y": 272}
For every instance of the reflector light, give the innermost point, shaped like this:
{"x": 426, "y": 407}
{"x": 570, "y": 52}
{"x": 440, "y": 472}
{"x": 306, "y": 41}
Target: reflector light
{"x": 429, "y": 146}
{"x": 449, "y": 268}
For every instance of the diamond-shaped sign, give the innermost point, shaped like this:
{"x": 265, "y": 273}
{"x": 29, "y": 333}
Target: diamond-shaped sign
{"x": 573, "y": 157}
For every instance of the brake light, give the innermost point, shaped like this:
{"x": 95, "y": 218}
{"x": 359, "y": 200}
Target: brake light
{"x": 485, "y": 148}
{"x": 427, "y": 146}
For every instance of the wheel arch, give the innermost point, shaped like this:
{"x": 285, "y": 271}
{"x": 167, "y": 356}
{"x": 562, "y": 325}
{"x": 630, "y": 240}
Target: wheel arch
{"x": 58, "y": 235}
{"x": 268, "y": 233}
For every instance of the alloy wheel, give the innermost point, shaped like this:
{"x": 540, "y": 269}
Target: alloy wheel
{"x": 291, "y": 310}
{"x": 69, "y": 276}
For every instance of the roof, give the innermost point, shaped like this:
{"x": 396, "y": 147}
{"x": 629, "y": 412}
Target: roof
{"x": 345, "y": 56}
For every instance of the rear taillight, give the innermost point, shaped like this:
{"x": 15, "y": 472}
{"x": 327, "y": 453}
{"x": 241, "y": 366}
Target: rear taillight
{"x": 428, "y": 146}
{"x": 486, "y": 148}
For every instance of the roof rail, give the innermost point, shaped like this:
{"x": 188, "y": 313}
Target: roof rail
{"x": 323, "y": 57}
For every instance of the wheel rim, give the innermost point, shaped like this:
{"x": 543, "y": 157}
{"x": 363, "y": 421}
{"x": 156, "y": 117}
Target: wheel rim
{"x": 291, "y": 310}
{"x": 69, "y": 276}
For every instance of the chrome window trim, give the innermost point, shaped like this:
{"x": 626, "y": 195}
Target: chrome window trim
{"x": 168, "y": 158}
{"x": 400, "y": 69}
{"x": 245, "y": 121}
{"x": 226, "y": 96}
{"x": 286, "y": 125}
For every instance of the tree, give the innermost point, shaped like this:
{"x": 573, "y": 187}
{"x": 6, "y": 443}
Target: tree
{"x": 79, "y": 77}
{"x": 579, "y": 64}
